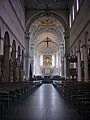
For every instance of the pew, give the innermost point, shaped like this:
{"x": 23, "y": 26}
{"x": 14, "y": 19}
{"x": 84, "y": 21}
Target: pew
{"x": 13, "y": 93}
{"x": 77, "y": 94}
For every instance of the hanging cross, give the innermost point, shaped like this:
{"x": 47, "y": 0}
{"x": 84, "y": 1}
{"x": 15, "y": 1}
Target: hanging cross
{"x": 47, "y": 40}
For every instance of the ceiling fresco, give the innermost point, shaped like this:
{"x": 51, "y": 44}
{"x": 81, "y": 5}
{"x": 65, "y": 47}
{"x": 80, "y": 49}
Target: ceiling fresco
{"x": 47, "y": 21}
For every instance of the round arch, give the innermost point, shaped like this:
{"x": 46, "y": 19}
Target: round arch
{"x": 60, "y": 19}
{"x": 6, "y": 55}
{"x": 38, "y": 15}
{"x": 13, "y": 49}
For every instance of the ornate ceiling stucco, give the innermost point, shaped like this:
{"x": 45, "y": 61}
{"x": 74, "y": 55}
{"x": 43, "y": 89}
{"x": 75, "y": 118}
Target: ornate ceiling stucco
{"x": 46, "y": 27}
{"x": 47, "y": 21}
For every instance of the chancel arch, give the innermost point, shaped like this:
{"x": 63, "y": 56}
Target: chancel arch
{"x": 53, "y": 27}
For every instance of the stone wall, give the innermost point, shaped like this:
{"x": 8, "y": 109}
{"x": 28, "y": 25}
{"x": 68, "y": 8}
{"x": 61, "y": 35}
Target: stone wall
{"x": 81, "y": 22}
{"x": 12, "y": 19}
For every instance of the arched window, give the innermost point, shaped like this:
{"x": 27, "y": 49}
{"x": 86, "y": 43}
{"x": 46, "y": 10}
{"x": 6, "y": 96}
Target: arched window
{"x": 77, "y": 4}
{"x": 73, "y": 14}
{"x": 53, "y": 60}
{"x": 41, "y": 60}
{"x": 70, "y": 20}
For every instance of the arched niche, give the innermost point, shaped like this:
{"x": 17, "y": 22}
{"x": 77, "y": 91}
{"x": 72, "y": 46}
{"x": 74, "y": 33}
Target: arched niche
{"x": 56, "y": 17}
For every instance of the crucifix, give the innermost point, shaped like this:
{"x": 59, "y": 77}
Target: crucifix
{"x": 47, "y": 40}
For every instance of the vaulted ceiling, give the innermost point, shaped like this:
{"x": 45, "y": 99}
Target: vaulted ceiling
{"x": 47, "y": 35}
{"x": 46, "y": 4}
{"x": 47, "y": 26}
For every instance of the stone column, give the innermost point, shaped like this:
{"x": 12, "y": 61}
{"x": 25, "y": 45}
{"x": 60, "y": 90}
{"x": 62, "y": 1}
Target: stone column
{"x": 31, "y": 50}
{"x": 35, "y": 63}
{"x": 14, "y": 66}
{"x": 66, "y": 37}
{"x": 27, "y": 38}
{"x": 85, "y": 54}
{"x": 1, "y": 59}
{"x": 1, "y": 46}
{"x": 79, "y": 65}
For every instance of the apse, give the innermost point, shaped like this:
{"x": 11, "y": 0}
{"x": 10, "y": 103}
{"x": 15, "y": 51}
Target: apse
{"x": 47, "y": 40}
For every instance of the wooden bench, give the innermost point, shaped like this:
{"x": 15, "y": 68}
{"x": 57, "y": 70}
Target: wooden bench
{"x": 77, "y": 94}
{"x": 12, "y": 93}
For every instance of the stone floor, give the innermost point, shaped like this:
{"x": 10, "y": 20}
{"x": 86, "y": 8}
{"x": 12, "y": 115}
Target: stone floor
{"x": 44, "y": 104}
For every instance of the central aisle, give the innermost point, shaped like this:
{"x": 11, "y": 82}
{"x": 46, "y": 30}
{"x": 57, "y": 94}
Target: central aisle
{"x": 44, "y": 104}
